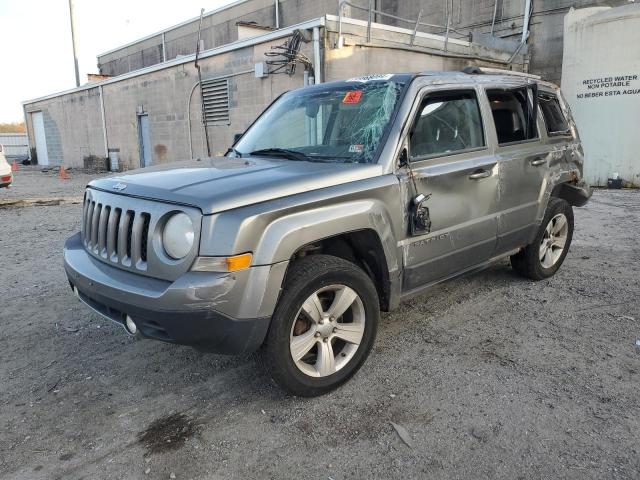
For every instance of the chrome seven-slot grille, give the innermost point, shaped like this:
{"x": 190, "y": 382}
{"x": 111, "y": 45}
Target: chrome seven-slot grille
{"x": 116, "y": 234}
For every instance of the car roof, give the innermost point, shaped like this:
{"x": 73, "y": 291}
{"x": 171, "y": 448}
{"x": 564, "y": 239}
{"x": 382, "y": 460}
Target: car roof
{"x": 450, "y": 77}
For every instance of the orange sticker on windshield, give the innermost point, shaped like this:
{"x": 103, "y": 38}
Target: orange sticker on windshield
{"x": 352, "y": 97}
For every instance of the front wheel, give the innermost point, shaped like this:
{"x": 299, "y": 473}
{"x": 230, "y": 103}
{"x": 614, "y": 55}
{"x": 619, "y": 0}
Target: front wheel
{"x": 323, "y": 327}
{"x": 542, "y": 258}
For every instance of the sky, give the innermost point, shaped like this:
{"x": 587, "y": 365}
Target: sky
{"x": 35, "y": 37}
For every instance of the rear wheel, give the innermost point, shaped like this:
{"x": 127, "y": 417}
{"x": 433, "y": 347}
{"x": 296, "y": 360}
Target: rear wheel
{"x": 542, "y": 258}
{"x": 323, "y": 327}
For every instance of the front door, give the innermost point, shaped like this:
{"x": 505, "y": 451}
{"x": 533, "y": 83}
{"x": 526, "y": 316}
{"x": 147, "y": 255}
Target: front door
{"x": 453, "y": 167}
{"x": 145, "y": 141}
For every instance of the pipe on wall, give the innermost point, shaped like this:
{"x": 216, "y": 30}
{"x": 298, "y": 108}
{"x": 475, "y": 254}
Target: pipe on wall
{"x": 527, "y": 18}
{"x": 104, "y": 123}
{"x": 317, "y": 61}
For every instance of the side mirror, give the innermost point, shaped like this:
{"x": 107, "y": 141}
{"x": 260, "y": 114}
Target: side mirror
{"x": 237, "y": 137}
{"x": 403, "y": 159}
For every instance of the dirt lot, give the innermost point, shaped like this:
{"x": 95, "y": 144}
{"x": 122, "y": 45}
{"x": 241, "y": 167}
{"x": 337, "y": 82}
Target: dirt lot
{"x": 492, "y": 376}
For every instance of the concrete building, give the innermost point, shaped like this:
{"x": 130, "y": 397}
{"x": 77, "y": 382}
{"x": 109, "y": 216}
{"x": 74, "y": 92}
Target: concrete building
{"x": 154, "y": 113}
{"x": 502, "y": 19}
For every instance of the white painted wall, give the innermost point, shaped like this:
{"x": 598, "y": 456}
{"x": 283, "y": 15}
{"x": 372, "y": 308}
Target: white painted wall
{"x": 601, "y": 81}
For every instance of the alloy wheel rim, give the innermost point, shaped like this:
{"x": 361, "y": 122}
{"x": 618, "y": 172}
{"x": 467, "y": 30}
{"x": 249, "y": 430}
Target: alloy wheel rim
{"x": 327, "y": 331}
{"x": 554, "y": 240}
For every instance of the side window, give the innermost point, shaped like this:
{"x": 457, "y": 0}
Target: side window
{"x": 553, "y": 116}
{"x": 512, "y": 115}
{"x": 446, "y": 123}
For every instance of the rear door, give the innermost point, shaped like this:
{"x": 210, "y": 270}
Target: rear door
{"x": 453, "y": 166}
{"x": 558, "y": 132}
{"x": 523, "y": 159}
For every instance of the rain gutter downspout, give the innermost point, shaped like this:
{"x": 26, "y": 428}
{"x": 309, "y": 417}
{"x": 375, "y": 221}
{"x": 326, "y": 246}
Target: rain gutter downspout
{"x": 104, "y": 123}
{"x": 527, "y": 18}
{"x": 525, "y": 30}
{"x": 317, "y": 63}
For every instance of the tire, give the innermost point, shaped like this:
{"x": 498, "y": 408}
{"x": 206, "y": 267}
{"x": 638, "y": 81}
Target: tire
{"x": 530, "y": 262}
{"x": 294, "y": 328}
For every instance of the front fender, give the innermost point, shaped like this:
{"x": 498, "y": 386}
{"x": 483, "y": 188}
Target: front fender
{"x": 284, "y": 236}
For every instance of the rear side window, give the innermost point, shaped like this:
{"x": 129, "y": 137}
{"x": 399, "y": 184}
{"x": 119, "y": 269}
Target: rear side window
{"x": 512, "y": 115}
{"x": 553, "y": 116}
{"x": 447, "y": 123}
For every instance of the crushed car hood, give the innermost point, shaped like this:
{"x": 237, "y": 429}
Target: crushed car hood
{"x": 221, "y": 183}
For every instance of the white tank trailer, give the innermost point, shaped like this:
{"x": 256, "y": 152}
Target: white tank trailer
{"x": 601, "y": 81}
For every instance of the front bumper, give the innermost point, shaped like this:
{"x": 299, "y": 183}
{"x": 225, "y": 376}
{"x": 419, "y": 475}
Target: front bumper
{"x": 181, "y": 312}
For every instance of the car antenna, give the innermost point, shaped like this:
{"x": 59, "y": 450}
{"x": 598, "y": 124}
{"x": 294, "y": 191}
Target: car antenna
{"x": 197, "y": 65}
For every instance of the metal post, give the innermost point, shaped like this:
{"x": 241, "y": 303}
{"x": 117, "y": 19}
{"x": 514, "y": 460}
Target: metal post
{"x": 415, "y": 30}
{"x": 73, "y": 42}
{"x": 204, "y": 117}
{"x": 317, "y": 61}
{"x": 370, "y": 20}
{"x": 164, "y": 48}
{"x": 277, "y": 12}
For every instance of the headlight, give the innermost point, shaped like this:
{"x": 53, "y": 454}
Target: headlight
{"x": 178, "y": 236}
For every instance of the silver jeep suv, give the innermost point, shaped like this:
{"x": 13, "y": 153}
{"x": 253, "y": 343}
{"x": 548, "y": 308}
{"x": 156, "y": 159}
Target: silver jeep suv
{"x": 341, "y": 200}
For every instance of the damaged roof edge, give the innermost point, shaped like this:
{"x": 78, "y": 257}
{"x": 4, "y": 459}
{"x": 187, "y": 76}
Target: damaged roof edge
{"x": 391, "y": 28}
{"x": 267, "y": 37}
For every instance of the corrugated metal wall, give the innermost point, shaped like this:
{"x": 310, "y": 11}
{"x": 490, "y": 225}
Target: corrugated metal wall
{"x": 16, "y": 145}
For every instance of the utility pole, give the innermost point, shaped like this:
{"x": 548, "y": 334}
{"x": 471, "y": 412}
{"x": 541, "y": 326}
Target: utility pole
{"x": 73, "y": 42}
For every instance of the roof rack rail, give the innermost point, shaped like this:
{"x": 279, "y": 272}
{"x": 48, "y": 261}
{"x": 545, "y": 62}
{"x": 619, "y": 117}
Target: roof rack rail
{"x": 473, "y": 70}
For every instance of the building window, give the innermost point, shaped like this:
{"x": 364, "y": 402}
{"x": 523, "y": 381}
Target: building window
{"x": 447, "y": 123}
{"x": 553, "y": 116}
{"x": 513, "y": 115}
{"x": 215, "y": 99}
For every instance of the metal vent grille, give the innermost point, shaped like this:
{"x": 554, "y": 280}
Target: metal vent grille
{"x": 215, "y": 101}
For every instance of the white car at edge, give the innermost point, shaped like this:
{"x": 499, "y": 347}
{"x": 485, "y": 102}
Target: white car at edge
{"x": 6, "y": 176}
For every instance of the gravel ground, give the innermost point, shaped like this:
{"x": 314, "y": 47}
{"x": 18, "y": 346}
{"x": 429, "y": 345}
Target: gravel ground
{"x": 487, "y": 376}
{"x": 34, "y": 182}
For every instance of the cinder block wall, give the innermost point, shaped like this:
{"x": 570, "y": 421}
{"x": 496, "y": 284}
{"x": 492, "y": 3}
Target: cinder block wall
{"x": 73, "y": 126}
{"x": 73, "y": 122}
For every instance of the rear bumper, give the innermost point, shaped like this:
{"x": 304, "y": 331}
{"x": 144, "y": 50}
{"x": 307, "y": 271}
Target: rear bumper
{"x": 576, "y": 194}
{"x": 6, "y": 179}
{"x": 175, "y": 312}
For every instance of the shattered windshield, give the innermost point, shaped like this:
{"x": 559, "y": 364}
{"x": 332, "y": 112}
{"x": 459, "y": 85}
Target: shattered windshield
{"x": 329, "y": 123}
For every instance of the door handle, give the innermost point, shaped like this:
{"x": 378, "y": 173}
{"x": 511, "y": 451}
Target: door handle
{"x": 536, "y": 162}
{"x": 478, "y": 174}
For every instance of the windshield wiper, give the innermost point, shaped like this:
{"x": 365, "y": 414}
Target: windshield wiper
{"x": 282, "y": 152}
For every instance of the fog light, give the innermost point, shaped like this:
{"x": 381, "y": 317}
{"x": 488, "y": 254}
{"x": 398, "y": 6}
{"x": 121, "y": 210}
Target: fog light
{"x": 130, "y": 325}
